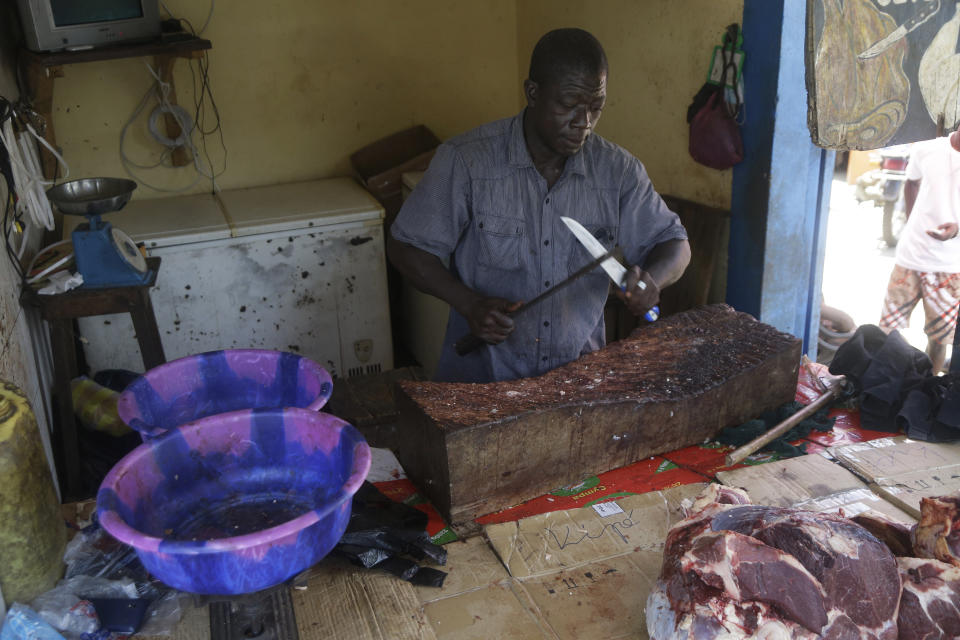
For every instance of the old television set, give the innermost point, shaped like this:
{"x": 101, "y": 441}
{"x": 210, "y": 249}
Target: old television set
{"x": 54, "y": 25}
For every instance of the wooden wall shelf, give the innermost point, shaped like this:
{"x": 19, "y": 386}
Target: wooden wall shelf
{"x": 41, "y": 69}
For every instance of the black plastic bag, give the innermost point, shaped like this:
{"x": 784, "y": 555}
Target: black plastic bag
{"x": 381, "y": 532}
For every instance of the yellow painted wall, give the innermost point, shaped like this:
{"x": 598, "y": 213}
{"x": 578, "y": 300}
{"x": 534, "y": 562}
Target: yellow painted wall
{"x": 658, "y": 51}
{"x": 302, "y": 84}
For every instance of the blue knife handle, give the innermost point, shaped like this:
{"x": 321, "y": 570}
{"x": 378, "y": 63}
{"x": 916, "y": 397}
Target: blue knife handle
{"x": 652, "y": 314}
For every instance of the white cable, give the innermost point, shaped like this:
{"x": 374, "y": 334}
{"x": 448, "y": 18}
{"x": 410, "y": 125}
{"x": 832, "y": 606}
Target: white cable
{"x": 160, "y": 90}
{"x": 179, "y": 114}
{"x": 184, "y": 121}
{"x": 39, "y": 205}
{"x": 123, "y": 134}
{"x": 207, "y": 21}
{"x": 54, "y": 152}
{"x": 28, "y": 179}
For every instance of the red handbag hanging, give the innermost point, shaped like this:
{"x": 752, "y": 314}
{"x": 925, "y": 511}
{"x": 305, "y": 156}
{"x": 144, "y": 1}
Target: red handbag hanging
{"x": 714, "y": 133}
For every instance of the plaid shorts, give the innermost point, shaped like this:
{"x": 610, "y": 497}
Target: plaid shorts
{"x": 940, "y": 293}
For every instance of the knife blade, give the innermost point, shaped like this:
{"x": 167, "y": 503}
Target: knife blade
{"x": 470, "y": 342}
{"x": 881, "y": 45}
{"x": 616, "y": 271}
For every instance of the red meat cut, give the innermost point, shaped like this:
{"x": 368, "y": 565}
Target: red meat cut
{"x": 930, "y": 605}
{"x": 743, "y": 571}
{"x": 898, "y": 536}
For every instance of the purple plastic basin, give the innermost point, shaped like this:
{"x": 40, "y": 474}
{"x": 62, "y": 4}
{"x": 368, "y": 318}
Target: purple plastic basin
{"x": 237, "y": 502}
{"x": 206, "y": 384}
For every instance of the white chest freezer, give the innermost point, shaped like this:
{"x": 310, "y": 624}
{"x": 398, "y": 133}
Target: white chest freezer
{"x": 296, "y": 267}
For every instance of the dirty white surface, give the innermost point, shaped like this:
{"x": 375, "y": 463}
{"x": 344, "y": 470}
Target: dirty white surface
{"x": 307, "y": 276}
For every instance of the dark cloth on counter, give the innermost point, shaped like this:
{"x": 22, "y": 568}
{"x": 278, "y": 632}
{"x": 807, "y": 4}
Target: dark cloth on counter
{"x": 931, "y": 412}
{"x": 742, "y": 434}
{"x": 897, "y": 388}
{"x": 883, "y": 369}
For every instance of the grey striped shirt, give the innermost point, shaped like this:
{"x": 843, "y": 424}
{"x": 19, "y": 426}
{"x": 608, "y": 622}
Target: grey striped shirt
{"x": 483, "y": 206}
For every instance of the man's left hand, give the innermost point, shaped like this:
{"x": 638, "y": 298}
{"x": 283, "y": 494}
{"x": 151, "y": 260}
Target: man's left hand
{"x": 946, "y": 231}
{"x": 637, "y": 300}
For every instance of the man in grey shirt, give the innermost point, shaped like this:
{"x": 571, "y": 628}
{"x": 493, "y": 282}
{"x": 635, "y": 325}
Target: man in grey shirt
{"x": 490, "y": 204}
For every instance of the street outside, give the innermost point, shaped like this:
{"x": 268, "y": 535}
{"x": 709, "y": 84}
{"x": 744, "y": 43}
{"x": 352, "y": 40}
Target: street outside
{"x": 858, "y": 263}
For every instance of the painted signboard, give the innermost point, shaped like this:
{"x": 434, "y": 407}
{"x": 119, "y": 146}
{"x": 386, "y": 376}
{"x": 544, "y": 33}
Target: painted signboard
{"x": 882, "y": 72}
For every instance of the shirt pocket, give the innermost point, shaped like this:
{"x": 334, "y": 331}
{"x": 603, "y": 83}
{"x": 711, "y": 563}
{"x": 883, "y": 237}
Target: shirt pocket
{"x": 501, "y": 241}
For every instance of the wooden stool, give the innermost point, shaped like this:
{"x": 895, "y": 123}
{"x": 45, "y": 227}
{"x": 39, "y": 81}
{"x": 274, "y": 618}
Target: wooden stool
{"x": 60, "y": 310}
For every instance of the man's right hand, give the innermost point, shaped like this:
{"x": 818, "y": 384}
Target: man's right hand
{"x": 946, "y": 231}
{"x": 488, "y": 319}
{"x": 486, "y": 316}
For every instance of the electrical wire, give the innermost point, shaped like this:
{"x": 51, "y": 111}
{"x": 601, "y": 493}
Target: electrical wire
{"x": 157, "y": 89}
{"x": 200, "y": 116}
{"x": 205, "y": 22}
{"x": 201, "y": 93}
{"x": 27, "y": 175}
{"x": 203, "y": 163}
{"x": 181, "y": 117}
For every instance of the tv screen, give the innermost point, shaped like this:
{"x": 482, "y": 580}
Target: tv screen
{"x": 54, "y": 25}
{"x": 71, "y": 12}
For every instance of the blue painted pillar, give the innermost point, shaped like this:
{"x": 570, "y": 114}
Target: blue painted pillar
{"x": 781, "y": 190}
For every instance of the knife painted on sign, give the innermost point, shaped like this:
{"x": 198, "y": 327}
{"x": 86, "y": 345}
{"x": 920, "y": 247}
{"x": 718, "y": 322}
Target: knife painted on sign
{"x": 924, "y": 14}
{"x": 616, "y": 271}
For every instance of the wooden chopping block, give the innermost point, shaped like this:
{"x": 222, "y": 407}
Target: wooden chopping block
{"x": 477, "y": 448}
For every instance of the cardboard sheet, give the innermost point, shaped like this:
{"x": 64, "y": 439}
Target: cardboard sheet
{"x": 479, "y": 599}
{"x": 587, "y": 572}
{"x": 341, "y": 601}
{"x": 604, "y": 599}
{"x": 500, "y": 611}
{"x": 810, "y": 482}
{"x": 564, "y": 540}
{"x": 471, "y": 565}
{"x": 902, "y": 470}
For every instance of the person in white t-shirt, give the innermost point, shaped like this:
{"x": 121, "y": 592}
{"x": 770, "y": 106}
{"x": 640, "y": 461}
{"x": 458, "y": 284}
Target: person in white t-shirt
{"x": 928, "y": 253}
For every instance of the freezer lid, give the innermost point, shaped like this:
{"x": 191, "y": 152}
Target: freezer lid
{"x": 164, "y": 222}
{"x": 299, "y": 205}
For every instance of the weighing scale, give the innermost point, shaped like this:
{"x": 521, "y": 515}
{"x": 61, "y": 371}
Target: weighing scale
{"x": 105, "y": 255}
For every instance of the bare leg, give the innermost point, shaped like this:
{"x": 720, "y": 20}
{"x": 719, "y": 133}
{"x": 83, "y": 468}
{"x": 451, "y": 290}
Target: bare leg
{"x": 937, "y": 353}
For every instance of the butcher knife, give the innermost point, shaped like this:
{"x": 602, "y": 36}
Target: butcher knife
{"x": 616, "y": 271}
{"x": 470, "y": 342}
{"x": 881, "y": 45}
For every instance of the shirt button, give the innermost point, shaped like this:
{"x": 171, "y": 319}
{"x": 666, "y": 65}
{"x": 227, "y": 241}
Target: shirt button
{"x": 544, "y": 358}
{"x": 546, "y": 323}
{"x": 546, "y": 242}
{"x": 548, "y": 201}
{"x": 547, "y": 283}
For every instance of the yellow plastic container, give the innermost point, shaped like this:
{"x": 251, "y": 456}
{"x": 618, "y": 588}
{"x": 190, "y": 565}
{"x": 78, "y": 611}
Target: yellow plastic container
{"x": 32, "y": 533}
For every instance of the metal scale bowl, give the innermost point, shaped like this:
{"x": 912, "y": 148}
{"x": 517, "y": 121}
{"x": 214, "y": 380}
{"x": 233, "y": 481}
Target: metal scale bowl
{"x": 105, "y": 256}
